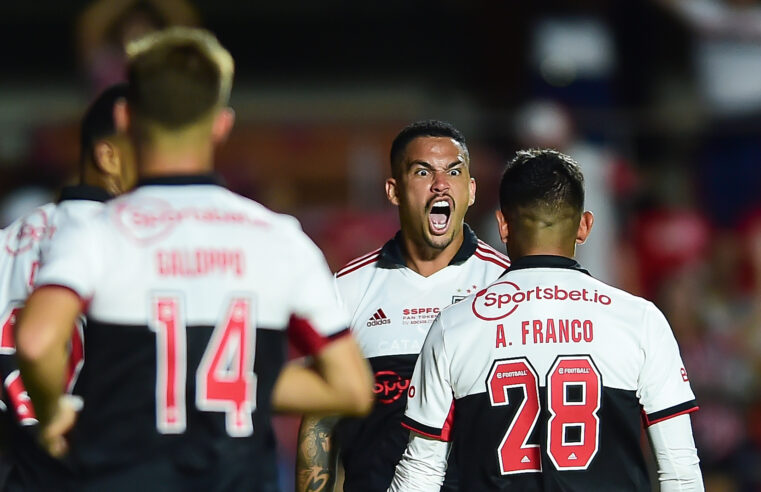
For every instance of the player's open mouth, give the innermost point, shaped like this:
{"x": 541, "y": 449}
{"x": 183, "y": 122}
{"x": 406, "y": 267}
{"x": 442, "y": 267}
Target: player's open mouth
{"x": 438, "y": 217}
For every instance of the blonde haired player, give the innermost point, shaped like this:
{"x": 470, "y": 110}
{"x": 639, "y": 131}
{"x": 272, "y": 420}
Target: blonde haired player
{"x": 190, "y": 292}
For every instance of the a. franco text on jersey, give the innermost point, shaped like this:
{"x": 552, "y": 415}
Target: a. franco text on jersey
{"x": 549, "y": 330}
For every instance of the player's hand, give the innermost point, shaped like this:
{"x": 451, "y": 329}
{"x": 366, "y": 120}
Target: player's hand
{"x": 52, "y": 435}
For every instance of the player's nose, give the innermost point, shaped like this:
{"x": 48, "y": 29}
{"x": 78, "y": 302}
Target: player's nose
{"x": 440, "y": 182}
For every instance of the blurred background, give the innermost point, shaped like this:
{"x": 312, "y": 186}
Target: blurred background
{"x": 659, "y": 101}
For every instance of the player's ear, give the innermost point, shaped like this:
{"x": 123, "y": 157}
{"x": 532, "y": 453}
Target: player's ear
{"x": 472, "y": 192}
{"x": 107, "y": 157}
{"x": 585, "y": 227}
{"x": 391, "y": 191}
{"x": 502, "y": 225}
{"x": 223, "y": 123}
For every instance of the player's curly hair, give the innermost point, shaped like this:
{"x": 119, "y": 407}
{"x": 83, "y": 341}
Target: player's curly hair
{"x": 541, "y": 179}
{"x": 423, "y": 128}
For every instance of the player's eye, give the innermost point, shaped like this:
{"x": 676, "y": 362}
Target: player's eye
{"x": 455, "y": 172}
{"x": 421, "y": 172}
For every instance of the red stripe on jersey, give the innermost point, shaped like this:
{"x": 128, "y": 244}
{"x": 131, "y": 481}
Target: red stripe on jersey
{"x": 357, "y": 267}
{"x": 490, "y": 259}
{"x": 488, "y": 250}
{"x": 76, "y": 358}
{"x": 446, "y": 431}
{"x": 487, "y": 247}
{"x": 648, "y": 423}
{"x": 306, "y": 339}
{"x": 359, "y": 259}
{"x": 426, "y": 434}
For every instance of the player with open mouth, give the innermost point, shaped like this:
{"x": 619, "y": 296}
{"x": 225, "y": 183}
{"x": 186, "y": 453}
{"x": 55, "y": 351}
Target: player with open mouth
{"x": 433, "y": 191}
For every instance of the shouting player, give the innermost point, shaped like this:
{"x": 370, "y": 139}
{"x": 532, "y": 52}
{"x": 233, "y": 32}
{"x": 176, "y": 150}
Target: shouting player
{"x": 393, "y": 294}
{"x": 542, "y": 379}
{"x": 189, "y": 291}
{"x": 106, "y": 169}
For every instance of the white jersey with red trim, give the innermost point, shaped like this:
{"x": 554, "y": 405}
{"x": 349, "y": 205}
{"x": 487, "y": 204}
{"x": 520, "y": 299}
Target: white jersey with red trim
{"x": 189, "y": 291}
{"x": 27, "y": 238}
{"x": 391, "y": 308}
{"x": 542, "y": 379}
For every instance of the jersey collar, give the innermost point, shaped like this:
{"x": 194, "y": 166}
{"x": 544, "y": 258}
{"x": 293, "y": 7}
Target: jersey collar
{"x": 84, "y": 192}
{"x": 182, "y": 179}
{"x": 392, "y": 253}
{"x": 545, "y": 261}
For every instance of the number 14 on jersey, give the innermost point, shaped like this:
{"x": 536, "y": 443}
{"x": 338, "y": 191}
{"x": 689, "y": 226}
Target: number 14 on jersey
{"x": 225, "y": 379}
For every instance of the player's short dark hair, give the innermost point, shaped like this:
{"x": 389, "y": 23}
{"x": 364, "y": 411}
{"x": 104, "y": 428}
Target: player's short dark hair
{"x": 98, "y": 121}
{"x": 423, "y": 128}
{"x": 541, "y": 178}
{"x": 177, "y": 76}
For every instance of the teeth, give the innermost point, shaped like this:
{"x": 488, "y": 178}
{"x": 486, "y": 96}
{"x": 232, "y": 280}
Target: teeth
{"x": 441, "y": 203}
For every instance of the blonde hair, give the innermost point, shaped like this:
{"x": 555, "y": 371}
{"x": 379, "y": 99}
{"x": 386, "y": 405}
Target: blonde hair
{"x": 177, "y": 76}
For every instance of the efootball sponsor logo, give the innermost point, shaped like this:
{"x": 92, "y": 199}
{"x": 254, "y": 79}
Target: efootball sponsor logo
{"x": 501, "y": 299}
{"x": 378, "y": 318}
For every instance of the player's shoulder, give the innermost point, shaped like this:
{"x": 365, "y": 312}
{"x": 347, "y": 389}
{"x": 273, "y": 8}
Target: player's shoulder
{"x": 488, "y": 257}
{"x": 25, "y": 233}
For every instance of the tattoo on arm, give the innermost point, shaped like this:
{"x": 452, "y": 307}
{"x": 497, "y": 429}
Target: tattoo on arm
{"x": 316, "y": 455}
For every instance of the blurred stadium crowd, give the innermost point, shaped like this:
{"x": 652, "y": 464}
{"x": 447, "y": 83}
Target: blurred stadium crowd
{"x": 658, "y": 100}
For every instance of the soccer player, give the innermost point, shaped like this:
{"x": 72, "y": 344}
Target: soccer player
{"x": 542, "y": 380}
{"x": 106, "y": 169}
{"x": 393, "y": 294}
{"x": 189, "y": 291}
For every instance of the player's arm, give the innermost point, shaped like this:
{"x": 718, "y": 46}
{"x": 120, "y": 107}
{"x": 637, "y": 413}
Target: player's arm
{"x": 316, "y": 455}
{"x": 674, "y": 449}
{"x": 340, "y": 382}
{"x": 667, "y": 400}
{"x": 423, "y": 465}
{"x": 424, "y": 462}
{"x": 42, "y": 333}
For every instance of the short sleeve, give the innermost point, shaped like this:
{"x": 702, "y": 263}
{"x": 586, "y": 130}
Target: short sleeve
{"x": 664, "y": 388}
{"x": 317, "y": 317}
{"x": 430, "y": 401}
{"x": 72, "y": 258}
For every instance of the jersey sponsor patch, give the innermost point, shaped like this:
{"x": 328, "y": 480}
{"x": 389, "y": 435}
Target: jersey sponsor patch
{"x": 502, "y": 299}
{"x": 389, "y": 386}
{"x": 35, "y": 228}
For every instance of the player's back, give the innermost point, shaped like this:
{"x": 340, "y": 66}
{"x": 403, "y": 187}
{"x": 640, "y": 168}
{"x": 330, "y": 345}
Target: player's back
{"x": 192, "y": 288}
{"x": 551, "y": 371}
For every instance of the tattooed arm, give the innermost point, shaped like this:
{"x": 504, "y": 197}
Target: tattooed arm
{"x": 317, "y": 455}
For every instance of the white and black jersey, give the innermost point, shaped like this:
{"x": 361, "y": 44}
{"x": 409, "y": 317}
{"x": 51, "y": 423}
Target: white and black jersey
{"x": 26, "y": 240}
{"x": 189, "y": 292}
{"x": 391, "y": 309}
{"x": 543, "y": 379}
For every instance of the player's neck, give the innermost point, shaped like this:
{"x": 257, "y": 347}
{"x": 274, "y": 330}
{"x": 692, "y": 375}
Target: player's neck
{"x": 516, "y": 251}
{"x": 157, "y": 160}
{"x": 427, "y": 260}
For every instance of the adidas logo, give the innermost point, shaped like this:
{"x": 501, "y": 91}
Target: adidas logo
{"x": 379, "y": 318}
